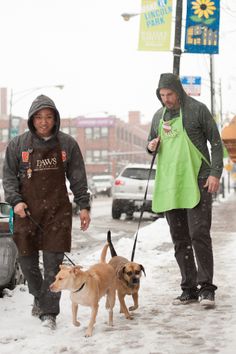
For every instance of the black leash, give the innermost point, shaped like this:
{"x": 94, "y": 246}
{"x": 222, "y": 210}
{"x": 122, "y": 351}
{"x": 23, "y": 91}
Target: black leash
{"x": 41, "y": 229}
{"x": 144, "y": 200}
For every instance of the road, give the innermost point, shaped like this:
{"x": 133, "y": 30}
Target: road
{"x": 101, "y": 222}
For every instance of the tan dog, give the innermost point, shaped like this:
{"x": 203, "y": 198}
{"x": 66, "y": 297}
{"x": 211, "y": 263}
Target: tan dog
{"x": 87, "y": 288}
{"x": 128, "y": 276}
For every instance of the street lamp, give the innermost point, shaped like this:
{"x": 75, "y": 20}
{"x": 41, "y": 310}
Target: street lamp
{"x": 177, "y": 40}
{"x": 126, "y": 16}
{"x": 22, "y": 94}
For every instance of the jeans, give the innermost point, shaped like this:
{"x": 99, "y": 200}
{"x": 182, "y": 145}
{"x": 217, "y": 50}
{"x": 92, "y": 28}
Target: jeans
{"x": 38, "y": 283}
{"x": 190, "y": 233}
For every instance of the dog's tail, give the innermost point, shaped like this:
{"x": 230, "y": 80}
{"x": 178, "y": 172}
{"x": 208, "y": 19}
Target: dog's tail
{"x": 104, "y": 253}
{"x": 112, "y": 249}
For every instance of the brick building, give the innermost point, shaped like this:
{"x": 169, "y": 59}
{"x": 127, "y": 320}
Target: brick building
{"x": 107, "y": 143}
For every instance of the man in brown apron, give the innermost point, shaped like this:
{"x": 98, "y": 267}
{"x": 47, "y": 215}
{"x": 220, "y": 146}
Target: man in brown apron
{"x": 35, "y": 168}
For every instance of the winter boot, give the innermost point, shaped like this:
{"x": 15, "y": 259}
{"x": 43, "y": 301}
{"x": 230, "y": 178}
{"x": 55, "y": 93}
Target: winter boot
{"x": 187, "y": 296}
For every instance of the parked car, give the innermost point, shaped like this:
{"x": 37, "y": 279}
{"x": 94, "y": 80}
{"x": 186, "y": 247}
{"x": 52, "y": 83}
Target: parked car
{"x": 75, "y": 207}
{"x": 92, "y": 188}
{"x": 1, "y": 191}
{"x": 10, "y": 271}
{"x": 129, "y": 190}
{"x": 103, "y": 184}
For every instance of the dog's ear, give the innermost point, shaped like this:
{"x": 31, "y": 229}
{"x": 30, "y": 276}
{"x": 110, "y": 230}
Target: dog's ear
{"x": 76, "y": 269}
{"x": 120, "y": 272}
{"x": 142, "y": 268}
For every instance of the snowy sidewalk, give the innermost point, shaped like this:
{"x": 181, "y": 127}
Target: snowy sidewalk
{"x": 158, "y": 326}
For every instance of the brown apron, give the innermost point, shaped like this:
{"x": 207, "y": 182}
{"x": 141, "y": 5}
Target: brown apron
{"x": 44, "y": 190}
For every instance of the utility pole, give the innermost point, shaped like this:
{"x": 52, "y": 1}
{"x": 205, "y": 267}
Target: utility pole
{"x": 221, "y": 106}
{"x": 177, "y": 42}
{"x": 10, "y": 117}
{"x": 212, "y": 86}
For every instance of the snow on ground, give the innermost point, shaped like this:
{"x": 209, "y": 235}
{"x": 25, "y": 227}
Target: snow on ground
{"x": 158, "y": 327}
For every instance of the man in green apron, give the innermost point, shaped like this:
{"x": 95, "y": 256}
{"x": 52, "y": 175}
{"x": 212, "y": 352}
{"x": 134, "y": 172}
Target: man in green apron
{"x": 35, "y": 167}
{"x": 185, "y": 179}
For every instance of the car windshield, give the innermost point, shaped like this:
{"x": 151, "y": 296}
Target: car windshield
{"x": 138, "y": 173}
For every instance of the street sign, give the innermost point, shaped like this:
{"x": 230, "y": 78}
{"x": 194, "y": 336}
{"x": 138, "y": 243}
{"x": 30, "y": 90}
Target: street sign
{"x": 191, "y": 85}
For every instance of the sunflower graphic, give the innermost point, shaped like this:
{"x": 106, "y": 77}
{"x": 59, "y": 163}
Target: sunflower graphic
{"x": 203, "y": 9}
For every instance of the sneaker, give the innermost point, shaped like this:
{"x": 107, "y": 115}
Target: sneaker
{"x": 187, "y": 296}
{"x": 207, "y": 298}
{"x": 36, "y": 308}
{"x": 48, "y": 321}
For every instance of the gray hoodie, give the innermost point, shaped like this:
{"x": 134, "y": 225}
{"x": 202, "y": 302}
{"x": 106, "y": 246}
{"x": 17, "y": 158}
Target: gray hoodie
{"x": 198, "y": 123}
{"x": 14, "y": 169}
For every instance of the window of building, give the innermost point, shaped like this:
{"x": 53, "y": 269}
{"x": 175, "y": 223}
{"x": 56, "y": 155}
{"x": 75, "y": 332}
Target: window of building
{"x": 88, "y": 133}
{"x": 104, "y": 155}
{"x": 73, "y": 132}
{"x": 88, "y": 156}
{"x": 96, "y": 155}
{"x": 96, "y": 133}
{"x": 104, "y": 132}
{"x": 4, "y": 135}
{"x": 2, "y": 154}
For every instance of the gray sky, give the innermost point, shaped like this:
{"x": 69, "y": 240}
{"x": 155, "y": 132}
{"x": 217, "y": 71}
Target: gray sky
{"x": 87, "y": 46}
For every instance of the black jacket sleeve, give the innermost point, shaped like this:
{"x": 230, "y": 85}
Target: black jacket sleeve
{"x": 11, "y": 183}
{"x": 76, "y": 175}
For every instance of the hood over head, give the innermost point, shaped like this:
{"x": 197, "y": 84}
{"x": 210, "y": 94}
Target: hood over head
{"x": 172, "y": 82}
{"x": 39, "y": 103}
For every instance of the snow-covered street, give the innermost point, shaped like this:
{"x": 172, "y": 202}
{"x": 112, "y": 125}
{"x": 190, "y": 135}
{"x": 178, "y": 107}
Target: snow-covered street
{"x": 158, "y": 327}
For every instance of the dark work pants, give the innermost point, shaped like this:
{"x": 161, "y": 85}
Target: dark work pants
{"x": 38, "y": 284}
{"x": 190, "y": 232}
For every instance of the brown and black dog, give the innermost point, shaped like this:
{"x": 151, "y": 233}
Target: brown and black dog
{"x": 128, "y": 276}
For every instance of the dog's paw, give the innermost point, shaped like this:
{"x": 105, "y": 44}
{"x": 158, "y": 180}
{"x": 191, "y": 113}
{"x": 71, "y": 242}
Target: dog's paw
{"x": 76, "y": 323}
{"x": 132, "y": 308}
{"x": 129, "y": 317}
{"x": 88, "y": 333}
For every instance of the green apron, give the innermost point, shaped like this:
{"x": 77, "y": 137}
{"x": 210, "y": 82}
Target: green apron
{"x": 178, "y": 165}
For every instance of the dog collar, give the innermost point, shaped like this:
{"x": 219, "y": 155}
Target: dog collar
{"x": 76, "y": 291}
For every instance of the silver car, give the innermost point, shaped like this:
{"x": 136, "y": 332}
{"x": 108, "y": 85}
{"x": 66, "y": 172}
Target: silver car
{"x": 129, "y": 190}
{"x": 103, "y": 184}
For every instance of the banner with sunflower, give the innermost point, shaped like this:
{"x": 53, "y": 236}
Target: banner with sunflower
{"x": 202, "y": 26}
